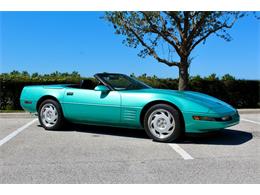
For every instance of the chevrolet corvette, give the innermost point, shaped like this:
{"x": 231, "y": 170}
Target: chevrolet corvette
{"x": 123, "y": 101}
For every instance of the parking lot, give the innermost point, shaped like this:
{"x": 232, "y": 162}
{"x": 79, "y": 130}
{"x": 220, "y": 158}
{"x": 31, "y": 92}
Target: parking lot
{"x": 90, "y": 154}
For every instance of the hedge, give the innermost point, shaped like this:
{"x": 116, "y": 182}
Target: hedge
{"x": 238, "y": 93}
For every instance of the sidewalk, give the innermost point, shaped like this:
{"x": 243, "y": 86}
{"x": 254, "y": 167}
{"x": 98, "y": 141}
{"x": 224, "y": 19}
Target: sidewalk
{"x": 17, "y": 115}
{"x": 249, "y": 111}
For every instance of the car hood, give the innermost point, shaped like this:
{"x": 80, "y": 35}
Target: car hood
{"x": 197, "y": 97}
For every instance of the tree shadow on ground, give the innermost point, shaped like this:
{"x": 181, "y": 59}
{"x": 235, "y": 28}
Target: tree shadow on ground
{"x": 222, "y": 137}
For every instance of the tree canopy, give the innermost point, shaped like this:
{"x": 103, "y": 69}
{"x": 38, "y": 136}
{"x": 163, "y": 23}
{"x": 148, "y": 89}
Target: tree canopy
{"x": 171, "y": 36}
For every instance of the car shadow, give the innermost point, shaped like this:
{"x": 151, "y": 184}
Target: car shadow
{"x": 222, "y": 137}
{"x": 98, "y": 131}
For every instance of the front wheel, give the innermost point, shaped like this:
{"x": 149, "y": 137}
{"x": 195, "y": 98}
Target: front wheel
{"x": 50, "y": 115}
{"x": 162, "y": 123}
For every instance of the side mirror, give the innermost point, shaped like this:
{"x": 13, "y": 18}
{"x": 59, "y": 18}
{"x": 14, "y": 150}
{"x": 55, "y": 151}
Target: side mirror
{"x": 101, "y": 88}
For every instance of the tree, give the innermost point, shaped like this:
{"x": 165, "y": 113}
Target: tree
{"x": 212, "y": 77}
{"x": 35, "y": 74}
{"x": 178, "y": 32}
{"x": 228, "y": 77}
{"x": 25, "y": 74}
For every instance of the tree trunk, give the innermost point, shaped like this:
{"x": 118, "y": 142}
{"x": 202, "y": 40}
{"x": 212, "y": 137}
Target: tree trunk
{"x": 183, "y": 74}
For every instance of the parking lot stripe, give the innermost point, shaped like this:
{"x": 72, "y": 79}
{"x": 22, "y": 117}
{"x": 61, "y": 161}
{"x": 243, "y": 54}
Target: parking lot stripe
{"x": 243, "y": 119}
{"x": 16, "y": 132}
{"x": 181, "y": 151}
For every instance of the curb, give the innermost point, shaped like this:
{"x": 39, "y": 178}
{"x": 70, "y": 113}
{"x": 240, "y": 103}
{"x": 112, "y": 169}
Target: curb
{"x": 249, "y": 111}
{"x": 17, "y": 115}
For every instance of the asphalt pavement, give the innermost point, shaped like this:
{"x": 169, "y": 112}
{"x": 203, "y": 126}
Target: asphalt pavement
{"x": 94, "y": 154}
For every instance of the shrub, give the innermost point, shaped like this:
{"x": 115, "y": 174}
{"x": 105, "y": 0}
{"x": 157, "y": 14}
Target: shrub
{"x": 238, "y": 93}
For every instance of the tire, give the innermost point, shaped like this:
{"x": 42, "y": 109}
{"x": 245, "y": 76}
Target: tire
{"x": 50, "y": 115}
{"x": 162, "y": 123}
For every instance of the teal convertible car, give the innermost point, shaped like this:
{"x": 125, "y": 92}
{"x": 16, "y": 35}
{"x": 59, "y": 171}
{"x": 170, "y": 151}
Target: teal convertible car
{"x": 123, "y": 101}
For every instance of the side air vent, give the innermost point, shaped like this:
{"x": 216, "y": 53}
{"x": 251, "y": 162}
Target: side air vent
{"x": 128, "y": 115}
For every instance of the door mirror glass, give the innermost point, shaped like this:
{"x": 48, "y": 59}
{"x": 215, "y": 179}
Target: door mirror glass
{"x": 101, "y": 88}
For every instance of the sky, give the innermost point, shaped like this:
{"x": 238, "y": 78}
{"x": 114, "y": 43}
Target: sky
{"x": 46, "y": 42}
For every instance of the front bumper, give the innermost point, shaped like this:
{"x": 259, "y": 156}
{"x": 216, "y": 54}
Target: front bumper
{"x": 200, "y": 126}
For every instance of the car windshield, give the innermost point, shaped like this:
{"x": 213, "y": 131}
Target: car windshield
{"x": 122, "y": 82}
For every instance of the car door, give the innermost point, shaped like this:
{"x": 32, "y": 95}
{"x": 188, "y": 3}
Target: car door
{"x": 90, "y": 106}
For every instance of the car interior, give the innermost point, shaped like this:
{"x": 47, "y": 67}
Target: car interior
{"x": 86, "y": 84}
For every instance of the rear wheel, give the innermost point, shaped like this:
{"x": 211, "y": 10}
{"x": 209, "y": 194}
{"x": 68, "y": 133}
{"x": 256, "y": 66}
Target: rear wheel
{"x": 50, "y": 115}
{"x": 162, "y": 123}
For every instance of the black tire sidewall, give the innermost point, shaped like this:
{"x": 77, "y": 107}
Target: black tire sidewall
{"x": 60, "y": 120}
{"x": 177, "y": 131}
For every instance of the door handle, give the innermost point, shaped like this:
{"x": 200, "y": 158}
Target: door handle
{"x": 69, "y": 93}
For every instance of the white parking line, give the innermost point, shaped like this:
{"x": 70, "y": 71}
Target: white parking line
{"x": 16, "y": 132}
{"x": 243, "y": 119}
{"x": 182, "y": 152}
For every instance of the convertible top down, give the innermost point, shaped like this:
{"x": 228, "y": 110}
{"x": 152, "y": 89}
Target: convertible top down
{"x": 123, "y": 101}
